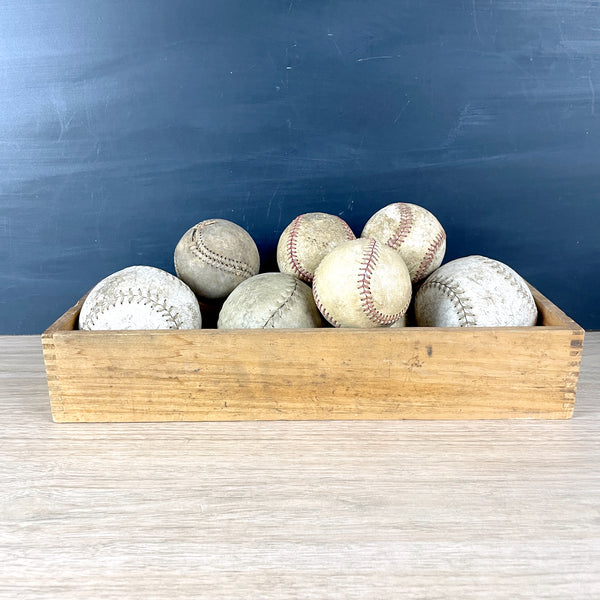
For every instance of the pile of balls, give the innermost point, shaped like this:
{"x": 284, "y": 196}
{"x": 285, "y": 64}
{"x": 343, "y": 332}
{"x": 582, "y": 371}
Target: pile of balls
{"x": 327, "y": 276}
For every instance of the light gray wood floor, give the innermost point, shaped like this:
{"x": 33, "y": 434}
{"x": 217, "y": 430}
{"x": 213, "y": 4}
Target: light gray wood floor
{"x": 481, "y": 509}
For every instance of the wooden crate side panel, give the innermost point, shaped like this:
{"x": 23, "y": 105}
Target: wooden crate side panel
{"x": 52, "y": 376}
{"x": 67, "y": 321}
{"x": 310, "y": 374}
{"x": 549, "y": 314}
{"x": 575, "y": 350}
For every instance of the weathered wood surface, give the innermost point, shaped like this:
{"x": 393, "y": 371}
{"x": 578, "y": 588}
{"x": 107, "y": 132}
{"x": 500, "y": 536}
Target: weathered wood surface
{"x": 298, "y": 509}
{"x": 389, "y": 373}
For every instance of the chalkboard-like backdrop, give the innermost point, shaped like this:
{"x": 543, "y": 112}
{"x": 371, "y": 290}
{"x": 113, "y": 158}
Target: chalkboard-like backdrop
{"x": 124, "y": 123}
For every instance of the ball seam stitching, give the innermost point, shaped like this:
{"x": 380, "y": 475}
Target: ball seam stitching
{"x": 368, "y": 264}
{"x": 321, "y": 308}
{"x": 292, "y": 252}
{"x": 284, "y": 302}
{"x": 349, "y": 233}
{"x": 457, "y": 295}
{"x": 508, "y": 276}
{"x": 161, "y": 308}
{"x": 403, "y": 229}
{"x": 430, "y": 254}
{"x": 199, "y": 248}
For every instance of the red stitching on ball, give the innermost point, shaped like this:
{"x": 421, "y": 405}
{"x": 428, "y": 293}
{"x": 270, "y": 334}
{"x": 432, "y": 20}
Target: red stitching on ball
{"x": 369, "y": 262}
{"x": 404, "y": 226}
{"x": 292, "y": 252}
{"x": 349, "y": 233}
{"x": 425, "y": 263}
{"x": 322, "y": 309}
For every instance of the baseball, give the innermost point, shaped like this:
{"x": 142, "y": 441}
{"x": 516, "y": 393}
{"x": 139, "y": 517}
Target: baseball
{"x": 401, "y": 322}
{"x": 362, "y": 283}
{"x": 307, "y": 240}
{"x": 412, "y": 231}
{"x": 140, "y": 297}
{"x": 474, "y": 291}
{"x": 270, "y": 300}
{"x": 215, "y": 256}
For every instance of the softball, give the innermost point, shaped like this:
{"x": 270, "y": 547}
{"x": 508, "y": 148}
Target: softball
{"x": 362, "y": 283}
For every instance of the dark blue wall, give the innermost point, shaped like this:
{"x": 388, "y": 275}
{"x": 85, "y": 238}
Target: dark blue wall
{"x": 124, "y": 123}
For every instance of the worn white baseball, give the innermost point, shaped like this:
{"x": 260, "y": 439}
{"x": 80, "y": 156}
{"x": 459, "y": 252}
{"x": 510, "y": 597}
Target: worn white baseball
{"x": 270, "y": 300}
{"x": 414, "y": 232}
{"x": 140, "y": 297}
{"x": 307, "y": 240}
{"x": 215, "y": 256}
{"x": 362, "y": 283}
{"x": 474, "y": 291}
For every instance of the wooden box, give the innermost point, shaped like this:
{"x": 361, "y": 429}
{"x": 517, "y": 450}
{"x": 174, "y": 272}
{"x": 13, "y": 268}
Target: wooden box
{"x": 389, "y": 373}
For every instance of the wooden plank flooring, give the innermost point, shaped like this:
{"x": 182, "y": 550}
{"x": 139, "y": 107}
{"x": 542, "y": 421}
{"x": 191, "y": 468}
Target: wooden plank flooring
{"x": 400, "y": 509}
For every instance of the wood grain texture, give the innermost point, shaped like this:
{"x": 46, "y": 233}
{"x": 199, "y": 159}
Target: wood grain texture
{"x": 384, "y": 373}
{"x": 271, "y": 510}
